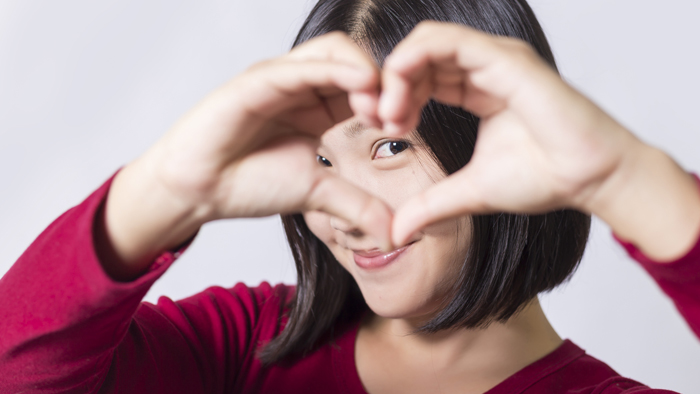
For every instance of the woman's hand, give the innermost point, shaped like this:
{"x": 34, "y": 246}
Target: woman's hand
{"x": 248, "y": 150}
{"x": 541, "y": 145}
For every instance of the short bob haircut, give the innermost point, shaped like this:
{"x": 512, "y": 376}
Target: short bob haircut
{"x": 512, "y": 257}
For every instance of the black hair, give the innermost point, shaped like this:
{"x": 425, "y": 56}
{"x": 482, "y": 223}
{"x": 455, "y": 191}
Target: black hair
{"x": 512, "y": 257}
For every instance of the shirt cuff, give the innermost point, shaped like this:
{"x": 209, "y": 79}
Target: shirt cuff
{"x": 95, "y": 206}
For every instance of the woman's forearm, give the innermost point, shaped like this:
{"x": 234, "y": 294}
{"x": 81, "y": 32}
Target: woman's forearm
{"x": 63, "y": 317}
{"x": 141, "y": 220}
{"x": 651, "y": 202}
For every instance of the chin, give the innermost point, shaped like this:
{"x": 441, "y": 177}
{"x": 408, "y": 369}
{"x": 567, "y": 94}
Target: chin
{"x": 401, "y": 290}
{"x": 395, "y": 304}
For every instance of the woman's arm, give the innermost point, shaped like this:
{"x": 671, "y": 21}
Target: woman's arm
{"x": 70, "y": 306}
{"x": 541, "y": 146}
{"x": 63, "y": 317}
{"x": 651, "y": 202}
{"x": 679, "y": 279}
{"x": 69, "y": 327}
{"x": 248, "y": 150}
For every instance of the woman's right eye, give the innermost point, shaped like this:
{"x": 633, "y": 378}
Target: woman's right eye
{"x": 323, "y": 161}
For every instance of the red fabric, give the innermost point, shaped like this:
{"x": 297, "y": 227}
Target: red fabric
{"x": 679, "y": 279}
{"x": 69, "y": 328}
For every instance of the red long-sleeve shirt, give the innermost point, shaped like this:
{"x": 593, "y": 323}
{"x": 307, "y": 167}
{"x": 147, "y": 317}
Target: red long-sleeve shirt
{"x": 67, "y": 327}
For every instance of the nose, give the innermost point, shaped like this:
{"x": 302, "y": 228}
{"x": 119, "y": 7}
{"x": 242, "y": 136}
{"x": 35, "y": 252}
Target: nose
{"x": 344, "y": 226}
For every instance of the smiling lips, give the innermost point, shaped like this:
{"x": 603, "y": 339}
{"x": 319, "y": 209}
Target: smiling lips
{"x": 373, "y": 259}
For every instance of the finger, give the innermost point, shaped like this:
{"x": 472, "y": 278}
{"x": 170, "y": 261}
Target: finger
{"x": 339, "y": 198}
{"x": 364, "y": 107}
{"x": 401, "y": 101}
{"x": 437, "y": 42}
{"x": 315, "y": 119}
{"x": 418, "y": 69}
{"x": 337, "y": 47}
{"x": 454, "y": 196}
{"x": 453, "y": 58}
{"x": 278, "y": 87}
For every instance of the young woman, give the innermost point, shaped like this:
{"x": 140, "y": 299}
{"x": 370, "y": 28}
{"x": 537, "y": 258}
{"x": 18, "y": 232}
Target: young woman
{"x": 410, "y": 276}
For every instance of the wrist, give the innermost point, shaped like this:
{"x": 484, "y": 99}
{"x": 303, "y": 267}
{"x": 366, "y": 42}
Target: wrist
{"x": 141, "y": 220}
{"x": 651, "y": 202}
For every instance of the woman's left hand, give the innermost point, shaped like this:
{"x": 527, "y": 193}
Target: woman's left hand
{"x": 541, "y": 146}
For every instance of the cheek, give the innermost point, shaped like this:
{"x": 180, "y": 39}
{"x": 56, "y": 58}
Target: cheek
{"x": 397, "y": 187}
{"x": 449, "y": 243}
{"x": 456, "y": 246}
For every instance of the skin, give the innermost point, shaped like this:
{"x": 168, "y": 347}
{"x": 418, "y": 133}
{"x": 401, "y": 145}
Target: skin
{"x": 390, "y": 360}
{"x": 408, "y": 292}
{"x": 249, "y": 150}
{"x": 542, "y": 145}
{"x": 413, "y": 287}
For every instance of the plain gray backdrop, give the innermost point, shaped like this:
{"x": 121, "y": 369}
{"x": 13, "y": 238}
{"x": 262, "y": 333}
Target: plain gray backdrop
{"x": 87, "y": 86}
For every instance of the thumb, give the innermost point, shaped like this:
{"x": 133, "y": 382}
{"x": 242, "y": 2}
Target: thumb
{"x": 337, "y": 197}
{"x": 456, "y": 195}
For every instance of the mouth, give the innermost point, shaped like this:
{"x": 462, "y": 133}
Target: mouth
{"x": 375, "y": 258}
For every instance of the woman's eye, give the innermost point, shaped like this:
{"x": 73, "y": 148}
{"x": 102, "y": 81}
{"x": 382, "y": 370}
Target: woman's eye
{"x": 391, "y": 148}
{"x": 323, "y": 161}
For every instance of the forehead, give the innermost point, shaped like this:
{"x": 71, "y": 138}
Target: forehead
{"x": 347, "y": 133}
{"x": 352, "y": 133}
{"x": 353, "y": 129}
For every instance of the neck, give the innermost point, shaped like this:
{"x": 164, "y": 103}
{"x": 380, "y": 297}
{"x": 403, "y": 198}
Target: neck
{"x": 487, "y": 356}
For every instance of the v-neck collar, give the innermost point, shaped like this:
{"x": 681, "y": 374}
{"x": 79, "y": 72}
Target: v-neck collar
{"x": 345, "y": 369}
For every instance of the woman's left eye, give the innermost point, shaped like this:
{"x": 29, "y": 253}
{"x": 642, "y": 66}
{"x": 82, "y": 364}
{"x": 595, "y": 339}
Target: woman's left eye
{"x": 391, "y": 148}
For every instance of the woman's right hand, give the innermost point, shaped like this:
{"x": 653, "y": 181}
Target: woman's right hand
{"x": 541, "y": 145}
{"x": 247, "y": 150}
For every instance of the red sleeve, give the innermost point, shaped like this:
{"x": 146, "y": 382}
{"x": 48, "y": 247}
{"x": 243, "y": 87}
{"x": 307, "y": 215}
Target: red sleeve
{"x": 679, "y": 279}
{"x": 68, "y": 327}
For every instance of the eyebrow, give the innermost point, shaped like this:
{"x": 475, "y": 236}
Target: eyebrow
{"x": 354, "y": 129}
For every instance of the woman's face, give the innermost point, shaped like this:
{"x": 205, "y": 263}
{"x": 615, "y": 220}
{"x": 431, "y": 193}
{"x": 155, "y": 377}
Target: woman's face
{"x": 411, "y": 282}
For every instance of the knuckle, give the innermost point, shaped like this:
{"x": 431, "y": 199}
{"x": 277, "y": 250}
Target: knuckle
{"x": 261, "y": 65}
{"x": 516, "y": 54}
{"x": 339, "y": 36}
{"x": 429, "y": 28}
{"x": 518, "y": 47}
{"x": 429, "y": 24}
{"x": 332, "y": 38}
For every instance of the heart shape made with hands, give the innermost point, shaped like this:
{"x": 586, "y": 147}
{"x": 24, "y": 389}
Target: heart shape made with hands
{"x": 539, "y": 140}
{"x": 249, "y": 148}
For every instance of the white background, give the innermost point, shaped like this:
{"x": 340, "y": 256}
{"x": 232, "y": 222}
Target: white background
{"x": 87, "y": 86}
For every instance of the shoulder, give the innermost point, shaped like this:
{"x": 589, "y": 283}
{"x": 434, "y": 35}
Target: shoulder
{"x": 568, "y": 369}
{"x": 249, "y": 296}
{"x": 263, "y": 307}
{"x": 244, "y": 309}
{"x": 242, "y": 298}
{"x": 596, "y": 377}
{"x": 263, "y": 295}
{"x": 621, "y": 385}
